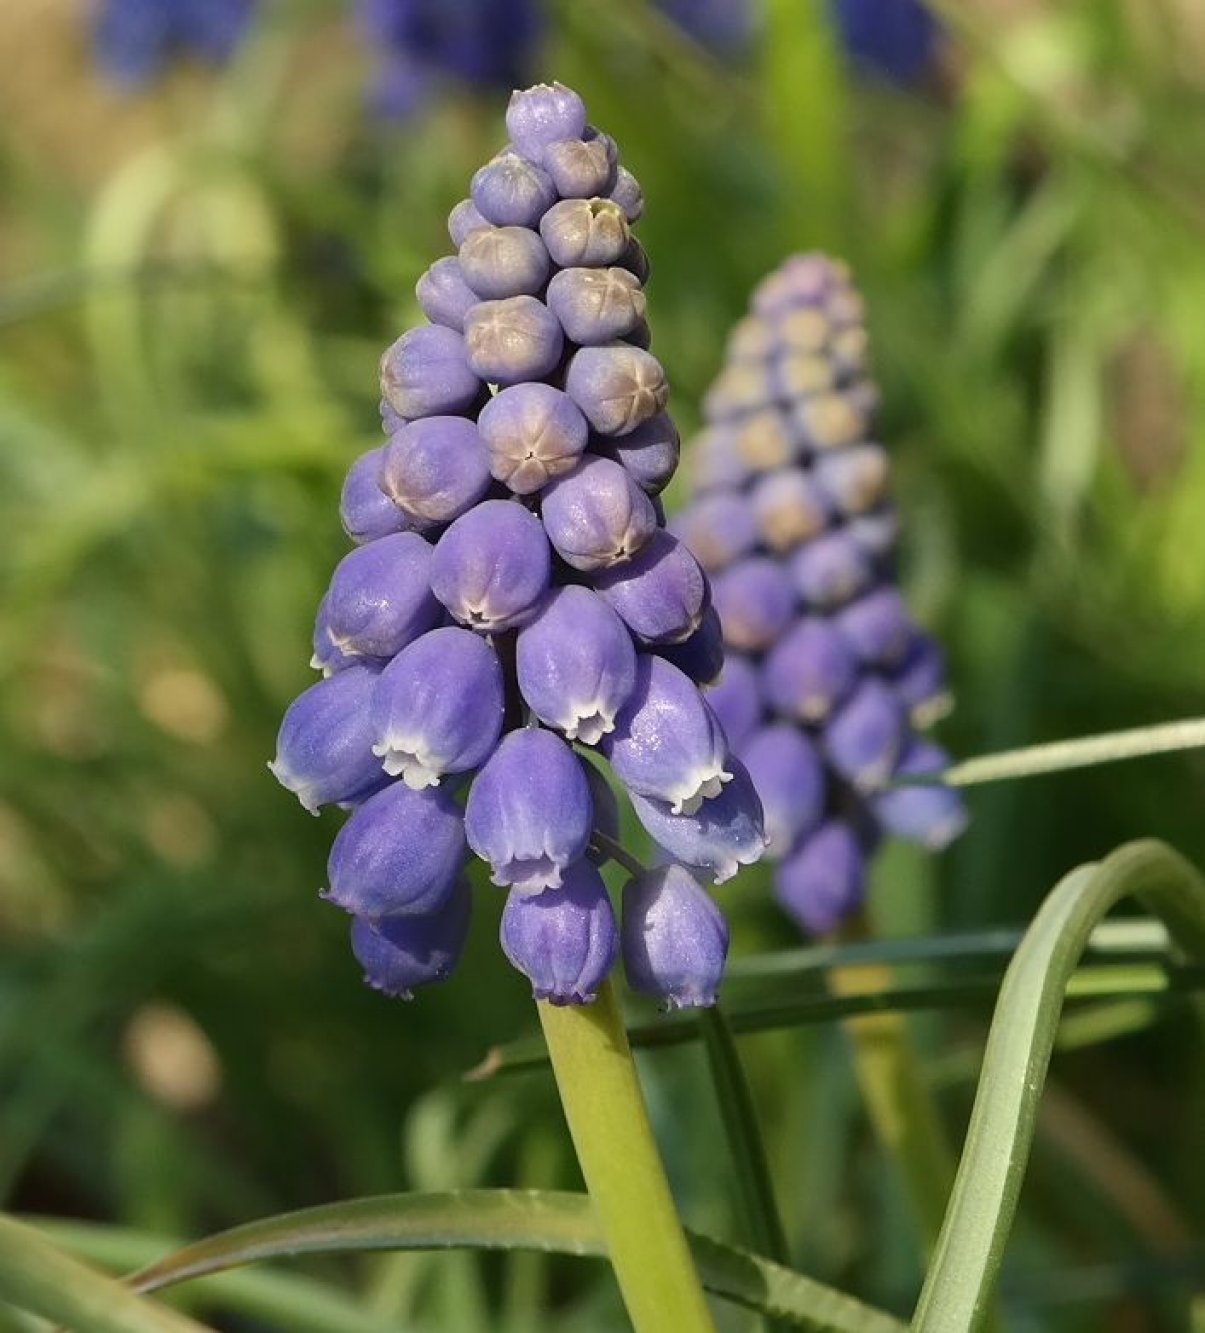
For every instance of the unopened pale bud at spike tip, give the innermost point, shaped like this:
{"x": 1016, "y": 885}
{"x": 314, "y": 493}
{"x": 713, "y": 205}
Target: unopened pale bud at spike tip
{"x": 660, "y": 594}
{"x": 443, "y": 294}
{"x": 565, "y": 939}
{"x": 511, "y": 191}
{"x": 790, "y": 779}
{"x": 596, "y": 305}
{"x": 755, "y": 602}
{"x": 587, "y": 233}
{"x": 324, "y": 747}
{"x": 626, "y": 192}
{"x": 401, "y": 852}
{"x": 865, "y": 736}
{"x": 809, "y": 671}
{"x": 463, "y": 220}
{"x": 667, "y": 743}
{"x": 823, "y": 880}
{"x": 725, "y": 832}
{"x": 512, "y": 340}
{"x": 380, "y": 596}
{"x": 596, "y": 516}
{"x": 617, "y": 386}
{"x": 649, "y": 454}
{"x": 736, "y": 699}
{"x": 365, "y": 511}
{"x": 498, "y": 262}
{"x": 399, "y": 953}
{"x": 545, "y": 114}
{"x": 930, "y": 813}
{"x": 701, "y": 657}
{"x": 437, "y": 707}
{"x": 492, "y": 566}
{"x": 426, "y": 373}
{"x": 576, "y": 664}
{"x": 529, "y": 811}
{"x": 435, "y": 469}
{"x": 581, "y": 168}
{"x": 533, "y": 433}
{"x": 673, "y": 938}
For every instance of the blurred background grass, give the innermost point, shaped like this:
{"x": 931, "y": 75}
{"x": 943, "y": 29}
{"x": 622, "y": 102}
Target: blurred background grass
{"x": 196, "y": 279}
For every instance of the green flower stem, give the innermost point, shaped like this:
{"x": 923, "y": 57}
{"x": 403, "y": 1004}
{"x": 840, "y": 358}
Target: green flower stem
{"x": 898, "y": 1098}
{"x": 983, "y": 1204}
{"x": 596, "y": 1077}
{"x": 739, "y": 1114}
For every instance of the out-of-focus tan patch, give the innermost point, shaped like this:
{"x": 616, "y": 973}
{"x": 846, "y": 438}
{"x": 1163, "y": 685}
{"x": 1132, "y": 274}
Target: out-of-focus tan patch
{"x": 178, "y": 829}
{"x": 172, "y": 1058}
{"x": 185, "y": 703}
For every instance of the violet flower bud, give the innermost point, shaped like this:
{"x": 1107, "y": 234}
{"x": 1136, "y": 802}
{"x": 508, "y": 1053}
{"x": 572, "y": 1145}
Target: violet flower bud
{"x": 529, "y": 812}
{"x": 790, "y": 779}
{"x": 701, "y": 657}
{"x": 545, "y": 114}
{"x": 831, "y": 570}
{"x": 324, "y": 747}
{"x": 533, "y": 433}
{"x": 715, "y": 463}
{"x": 673, "y": 937}
{"x": 724, "y": 834}
{"x": 877, "y": 531}
{"x": 380, "y": 596}
{"x": 498, "y": 262}
{"x": 581, "y": 169}
{"x": 626, "y": 192}
{"x": 719, "y": 528}
{"x": 510, "y": 191}
{"x": 401, "y": 952}
{"x": 443, "y": 294}
{"x": 596, "y": 305}
{"x": 617, "y": 386}
{"x": 585, "y": 233}
{"x": 661, "y": 594}
{"x": 390, "y": 420}
{"x": 492, "y": 566}
{"x": 863, "y": 739}
{"x": 463, "y": 220}
{"x": 823, "y": 881}
{"x": 563, "y": 940}
{"x": 920, "y": 681}
{"x": 755, "y": 601}
{"x": 399, "y": 854}
{"x": 667, "y": 743}
{"x": 854, "y": 480}
{"x": 809, "y": 671}
{"x": 596, "y": 516}
{"x": 366, "y": 512}
{"x": 437, "y": 707}
{"x": 877, "y": 627}
{"x": 736, "y": 700}
{"x": 932, "y": 815}
{"x": 435, "y": 469}
{"x": 649, "y": 454}
{"x": 512, "y": 340}
{"x": 789, "y": 508}
{"x": 426, "y": 373}
{"x": 576, "y": 664}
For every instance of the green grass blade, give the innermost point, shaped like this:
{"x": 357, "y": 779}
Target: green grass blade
{"x": 37, "y": 1276}
{"x": 549, "y": 1221}
{"x": 984, "y": 1200}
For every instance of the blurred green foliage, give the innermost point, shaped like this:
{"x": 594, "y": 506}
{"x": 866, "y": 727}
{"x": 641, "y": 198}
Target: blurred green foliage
{"x": 194, "y": 289}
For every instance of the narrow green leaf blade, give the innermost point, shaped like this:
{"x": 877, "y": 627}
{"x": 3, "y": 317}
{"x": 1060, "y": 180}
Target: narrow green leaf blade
{"x": 549, "y": 1221}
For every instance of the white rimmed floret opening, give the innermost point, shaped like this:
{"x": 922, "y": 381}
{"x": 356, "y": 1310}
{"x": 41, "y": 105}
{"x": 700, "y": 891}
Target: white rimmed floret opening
{"x": 406, "y": 758}
{"x": 304, "y": 791}
{"x": 699, "y": 786}
{"x": 528, "y": 875}
{"x": 589, "y": 723}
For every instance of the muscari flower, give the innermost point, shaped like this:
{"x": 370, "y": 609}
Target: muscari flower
{"x": 827, "y": 679}
{"x": 895, "y": 39}
{"x": 514, "y": 603}
{"x": 134, "y": 40}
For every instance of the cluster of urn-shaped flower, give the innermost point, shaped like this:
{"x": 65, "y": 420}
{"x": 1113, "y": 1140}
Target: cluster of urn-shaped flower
{"x": 827, "y": 681}
{"x": 515, "y": 603}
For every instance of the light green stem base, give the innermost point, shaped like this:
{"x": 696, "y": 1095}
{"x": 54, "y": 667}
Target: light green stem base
{"x": 601, "y": 1095}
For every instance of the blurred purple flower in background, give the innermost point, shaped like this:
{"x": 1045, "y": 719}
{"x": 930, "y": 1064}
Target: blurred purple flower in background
{"x": 895, "y": 39}
{"x": 825, "y": 677}
{"x": 135, "y": 39}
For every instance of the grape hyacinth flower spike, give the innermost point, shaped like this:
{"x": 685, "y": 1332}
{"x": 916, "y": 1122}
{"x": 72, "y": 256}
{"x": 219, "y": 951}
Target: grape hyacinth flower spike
{"x": 826, "y": 678}
{"x": 514, "y": 602}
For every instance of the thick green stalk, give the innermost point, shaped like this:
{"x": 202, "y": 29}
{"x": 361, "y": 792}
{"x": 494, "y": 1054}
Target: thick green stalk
{"x": 600, "y": 1092}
